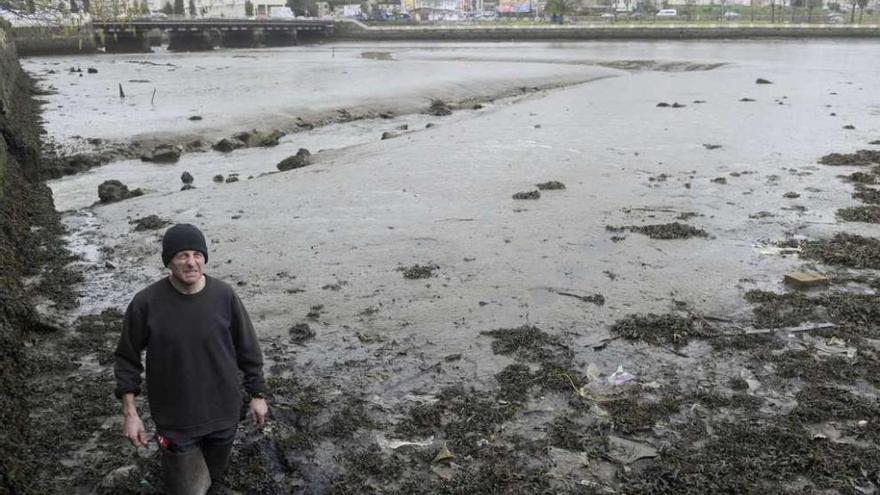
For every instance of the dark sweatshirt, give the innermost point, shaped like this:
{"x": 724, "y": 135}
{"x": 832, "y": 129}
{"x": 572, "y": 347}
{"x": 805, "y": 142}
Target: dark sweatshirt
{"x": 196, "y": 344}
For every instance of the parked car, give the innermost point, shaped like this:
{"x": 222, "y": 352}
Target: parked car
{"x": 667, "y": 13}
{"x": 835, "y": 18}
{"x": 730, "y": 14}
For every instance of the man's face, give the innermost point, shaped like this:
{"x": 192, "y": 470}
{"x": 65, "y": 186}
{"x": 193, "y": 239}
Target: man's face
{"x": 187, "y": 266}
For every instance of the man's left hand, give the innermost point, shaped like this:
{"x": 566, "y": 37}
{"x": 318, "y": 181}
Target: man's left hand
{"x": 258, "y": 411}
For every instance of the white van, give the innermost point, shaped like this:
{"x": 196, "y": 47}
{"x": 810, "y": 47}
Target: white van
{"x": 667, "y": 13}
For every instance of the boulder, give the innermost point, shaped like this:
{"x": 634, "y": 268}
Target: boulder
{"x": 300, "y": 159}
{"x": 388, "y": 135}
{"x": 111, "y": 191}
{"x": 439, "y": 108}
{"x": 186, "y": 178}
{"x": 226, "y": 145}
{"x": 164, "y": 153}
{"x": 218, "y": 178}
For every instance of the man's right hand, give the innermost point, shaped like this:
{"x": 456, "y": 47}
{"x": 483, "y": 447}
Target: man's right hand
{"x": 134, "y": 427}
{"x": 134, "y": 431}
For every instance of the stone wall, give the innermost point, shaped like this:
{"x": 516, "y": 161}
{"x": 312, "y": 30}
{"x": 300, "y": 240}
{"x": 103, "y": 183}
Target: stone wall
{"x": 27, "y": 222}
{"x": 499, "y": 32}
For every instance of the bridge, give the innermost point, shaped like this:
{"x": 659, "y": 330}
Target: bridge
{"x": 204, "y": 34}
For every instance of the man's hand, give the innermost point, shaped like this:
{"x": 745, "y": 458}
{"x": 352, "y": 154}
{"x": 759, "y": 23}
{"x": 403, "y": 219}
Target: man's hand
{"x": 134, "y": 431}
{"x": 258, "y": 411}
{"x": 134, "y": 427}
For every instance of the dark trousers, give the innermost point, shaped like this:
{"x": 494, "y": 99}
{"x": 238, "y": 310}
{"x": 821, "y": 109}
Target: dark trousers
{"x": 191, "y": 465}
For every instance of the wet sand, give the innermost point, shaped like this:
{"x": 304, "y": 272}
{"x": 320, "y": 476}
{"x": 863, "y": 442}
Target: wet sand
{"x": 328, "y": 245}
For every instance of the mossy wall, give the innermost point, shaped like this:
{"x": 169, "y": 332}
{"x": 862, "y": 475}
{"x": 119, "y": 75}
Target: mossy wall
{"x": 27, "y": 217}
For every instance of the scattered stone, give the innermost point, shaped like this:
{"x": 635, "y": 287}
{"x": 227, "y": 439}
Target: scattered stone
{"x": 151, "y": 222}
{"x": 761, "y": 214}
{"x": 389, "y": 135}
{"x": 553, "y": 185}
{"x": 861, "y": 178}
{"x": 430, "y": 125}
{"x": 226, "y": 145}
{"x": 720, "y": 180}
{"x": 477, "y": 106}
{"x": 386, "y": 115}
{"x": 712, "y": 146}
{"x": 439, "y": 108}
{"x": 95, "y": 141}
{"x": 859, "y": 158}
{"x": 678, "y": 105}
{"x": 867, "y": 195}
{"x": 300, "y": 159}
{"x": 111, "y": 191}
{"x": 301, "y": 332}
{"x": 231, "y": 179}
{"x": 218, "y": 178}
{"x": 746, "y": 99}
{"x": 404, "y": 127}
{"x": 91, "y": 70}
{"x": 762, "y": 81}
{"x": 699, "y": 101}
{"x": 527, "y": 195}
{"x": 419, "y": 271}
{"x": 662, "y": 104}
{"x": 164, "y": 153}
{"x": 875, "y": 142}
{"x": 866, "y": 214}
{"x": 849, "y": 127}
{"x": 804, "y": 279}
{"x": 187, "y": 187}
{"x": 791, "y": 195}
{"x": 195, "y": 117}
{"x": 186, "y": 178}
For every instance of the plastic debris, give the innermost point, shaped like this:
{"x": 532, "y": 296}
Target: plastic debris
{"x": 444, "y": 454}
{"x": 392, "y": 444}
{"x": 620, "y": 377}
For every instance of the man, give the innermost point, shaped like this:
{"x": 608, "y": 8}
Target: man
{"x": 198, "y": 336}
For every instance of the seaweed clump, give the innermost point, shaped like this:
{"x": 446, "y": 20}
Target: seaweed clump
{"x": 845, "y": 249}
{"x": 658, "y": 329}
{"x": 665, "y": 231}
{"x": 867, "y": 214}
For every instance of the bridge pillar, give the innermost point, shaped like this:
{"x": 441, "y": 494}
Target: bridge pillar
{"x": 280, "y": 37}
{"x": 190, "y": 40}
{"x": 128, "y": 41}
{"x": 240, "y": 38}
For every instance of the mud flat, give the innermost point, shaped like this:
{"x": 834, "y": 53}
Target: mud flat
{"x": 428, "y": 333}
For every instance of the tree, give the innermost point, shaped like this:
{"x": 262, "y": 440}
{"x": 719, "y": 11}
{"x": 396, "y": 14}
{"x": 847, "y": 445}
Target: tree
{"x": 249, "y": 8}
{"x": 559, "y": 7}
{"x": 178, "y": 8}
{"x": 192, "y": 8}
{"x": 862, "y": 5}
{"x": 168, "y": 9}
{"x": 145, "y": 7}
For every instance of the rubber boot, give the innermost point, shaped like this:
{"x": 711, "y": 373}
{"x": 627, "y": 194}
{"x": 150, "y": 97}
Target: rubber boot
{"x": 217, "y": 458}
{"x": 185, "y": 473}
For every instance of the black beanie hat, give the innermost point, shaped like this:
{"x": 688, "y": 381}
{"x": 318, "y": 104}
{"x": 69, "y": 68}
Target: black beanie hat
{"x": 181, "y": 237}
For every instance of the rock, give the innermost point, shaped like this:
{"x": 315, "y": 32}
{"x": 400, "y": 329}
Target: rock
{"x": 678, "y": 105}
{"x": 94, "y": 141}
{"x": 527, "y": 195}
{"x": 187, "y": 187}
{"x": 804, "y": 279}
{"x": 186, "y": 178}
{"x": 150, "y": 222}
{"x": 300, "y": 159}
{"x": 762, "y": 81}
{"x": 662, "y": 104}
{"x": 195, "y": 117}
{"x": 711, "y": 146}
{"x": 849, "y": 127}
{"x": 111, "y": 191}
{"x": 439, "y": 108}
{"x": 791, "y": 195}
{"x": 430, "y": 125}
{"x": 117, "y": 477}
{"x": 164, "y": 153}
{"x": 388, "y": 135}
{"x": 553, "y": 185}
{"x": 746, "y": 99}
{"x": 477, "y": 106}
{"x": 218, "y": 178}
{"x": 231, "y": 179}
{"x": 720, "y": 180}
{"x": 386, "y": 115}
{"x": 875, "y": 143}
{"x": 226, "y": 145}
{"x": 264, "y": 139}
{"x": 301, "y": 332}
{"x": 404, "y": 127}
{"x": 197, "y": 145}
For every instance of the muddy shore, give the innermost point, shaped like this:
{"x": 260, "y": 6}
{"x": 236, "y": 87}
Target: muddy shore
{"x": 627, "y": 329}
